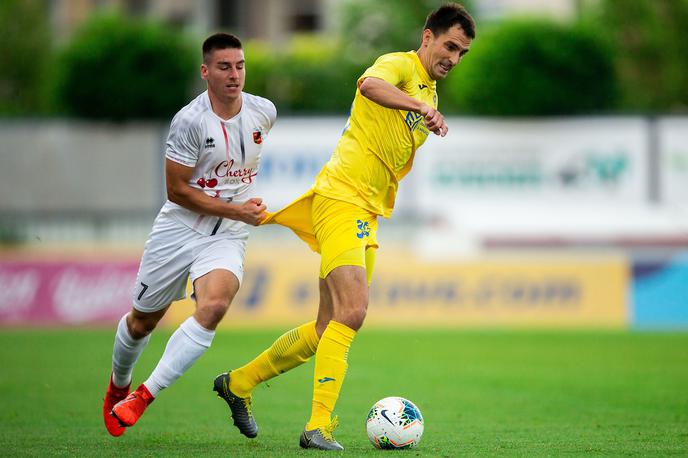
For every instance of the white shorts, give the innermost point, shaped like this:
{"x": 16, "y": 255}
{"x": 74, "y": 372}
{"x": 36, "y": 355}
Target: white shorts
{"x": 175, "y": 252}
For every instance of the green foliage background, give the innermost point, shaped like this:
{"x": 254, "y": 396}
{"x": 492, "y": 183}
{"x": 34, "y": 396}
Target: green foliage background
{"x": 308, "y": 75}
{"x": 607, "y": 59}
{"x": 373, "y": 27}
{"x": 24, "y": 54}
{"x": 533, "y": 67}
{"x": 651, "y": 51}
{"x": 120, "y": 69}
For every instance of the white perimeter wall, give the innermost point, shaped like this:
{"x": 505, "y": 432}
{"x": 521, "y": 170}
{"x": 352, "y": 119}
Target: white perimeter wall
{"x": 574, "y": 176}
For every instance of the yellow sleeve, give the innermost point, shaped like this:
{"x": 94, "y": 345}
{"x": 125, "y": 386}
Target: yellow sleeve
{"x": 393, "y": 68}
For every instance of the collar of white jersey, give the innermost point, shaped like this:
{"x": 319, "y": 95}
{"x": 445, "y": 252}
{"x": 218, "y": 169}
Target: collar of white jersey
{"x": 206, "y": 100}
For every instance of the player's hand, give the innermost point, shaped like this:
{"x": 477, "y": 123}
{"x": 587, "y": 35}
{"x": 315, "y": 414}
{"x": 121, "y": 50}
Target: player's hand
{"x": 252, "y": 211}
{"x": 434, "y": 120}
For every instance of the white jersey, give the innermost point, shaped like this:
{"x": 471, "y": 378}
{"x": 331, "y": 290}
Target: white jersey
{"x": 225, "y": 155}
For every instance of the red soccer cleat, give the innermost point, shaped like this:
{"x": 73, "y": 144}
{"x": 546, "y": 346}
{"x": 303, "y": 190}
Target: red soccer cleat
{"x": 113, "y": 395}
{"x": 129, "y": 410}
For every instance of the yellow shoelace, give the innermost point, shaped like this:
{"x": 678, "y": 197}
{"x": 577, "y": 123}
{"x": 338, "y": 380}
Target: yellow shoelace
{"x": 329, "y": 429}
{"x": 247, "y": 404}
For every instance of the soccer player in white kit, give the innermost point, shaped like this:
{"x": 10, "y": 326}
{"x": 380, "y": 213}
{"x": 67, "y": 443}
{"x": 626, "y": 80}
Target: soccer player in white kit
{"x": 212, "y": 161}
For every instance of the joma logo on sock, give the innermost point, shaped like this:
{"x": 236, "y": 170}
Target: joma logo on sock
{"x": 325, "y": 379}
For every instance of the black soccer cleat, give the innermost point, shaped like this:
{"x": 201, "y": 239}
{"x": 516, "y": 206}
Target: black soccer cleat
{"x": 240, "y": 407}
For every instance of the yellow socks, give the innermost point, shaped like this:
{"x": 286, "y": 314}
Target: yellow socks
{"x": 330, "y": 369}
{"x": 290, "y": 350}
{"x": 294, "y": 348}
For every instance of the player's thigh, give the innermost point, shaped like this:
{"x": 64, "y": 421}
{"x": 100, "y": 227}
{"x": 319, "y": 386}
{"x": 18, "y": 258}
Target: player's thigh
{"x": 348, "y": 291}
{"x": 214, "y": 293}
{"x": 347, "y": 287}
{"x": 164, "y": 267}
{"x": 217, "y": 271}
{"x": 216, "y": 288}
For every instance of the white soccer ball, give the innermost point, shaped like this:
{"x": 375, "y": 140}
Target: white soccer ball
{"x": 394, "y": 423}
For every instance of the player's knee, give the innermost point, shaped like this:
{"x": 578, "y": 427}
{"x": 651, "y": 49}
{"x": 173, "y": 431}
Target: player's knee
{"x": 359, "y": 318}
{"x": 212, "y": 312}
{"x": 354, "y": 317}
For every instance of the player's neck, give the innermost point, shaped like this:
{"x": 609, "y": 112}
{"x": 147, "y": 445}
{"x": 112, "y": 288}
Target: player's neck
{"x": 424, "y": 59}
{"x": 225, "y": 109}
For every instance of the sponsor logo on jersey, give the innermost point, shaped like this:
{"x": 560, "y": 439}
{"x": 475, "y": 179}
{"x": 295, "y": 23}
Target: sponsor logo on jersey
{"x": 210, "y": 182}
{"x": 225, "y": 169}
{"x": 325, "y": 379}
{"x": 413, "y": 119}
{"x": 422, "y": 86}
{"x": 258, "y": 136}
{"x": 210, "y": 142}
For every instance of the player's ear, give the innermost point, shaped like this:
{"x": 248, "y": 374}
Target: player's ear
{"x": 204, "y": 71}
{"x": 426, "y": 37}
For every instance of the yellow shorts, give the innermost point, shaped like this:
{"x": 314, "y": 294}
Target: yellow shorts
{"x": 344, "y": 234}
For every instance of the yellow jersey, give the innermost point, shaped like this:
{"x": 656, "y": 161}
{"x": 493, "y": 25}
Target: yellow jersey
{"x": 378, "y": 144}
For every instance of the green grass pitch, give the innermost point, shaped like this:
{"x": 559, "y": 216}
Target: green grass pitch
{"x": 482, "y": 393}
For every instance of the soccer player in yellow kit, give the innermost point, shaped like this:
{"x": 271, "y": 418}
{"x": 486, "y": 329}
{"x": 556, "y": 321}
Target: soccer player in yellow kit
{"x": 394, "y": 110}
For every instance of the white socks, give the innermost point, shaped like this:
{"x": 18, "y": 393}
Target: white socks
{"x": 186, "y": 345}
{"x": 125, "y": 353}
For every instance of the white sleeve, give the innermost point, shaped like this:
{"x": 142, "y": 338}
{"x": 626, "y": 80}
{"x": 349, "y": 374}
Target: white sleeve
{"x": 184, "y": 141}
{"x": 271, "y": 112}
{"x": 266, "y": 111}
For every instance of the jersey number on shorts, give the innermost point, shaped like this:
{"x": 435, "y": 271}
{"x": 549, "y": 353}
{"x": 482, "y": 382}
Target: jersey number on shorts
{"x": 143, "y": 290}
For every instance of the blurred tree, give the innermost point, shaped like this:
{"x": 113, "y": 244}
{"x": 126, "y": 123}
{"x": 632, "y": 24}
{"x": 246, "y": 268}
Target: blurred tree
{"x": 532, "y": 67}
{"x": 24, "y": 52}
{"x": 116, "y": 68}
{"x": 651, "y": 50}
{"x": 260, "y": 59}
{"x": 310, "y": 74}
{"x": 374, "y": 27}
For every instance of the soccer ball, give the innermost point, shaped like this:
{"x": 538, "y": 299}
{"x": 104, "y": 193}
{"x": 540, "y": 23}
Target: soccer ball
{"x": 394, "y": 423}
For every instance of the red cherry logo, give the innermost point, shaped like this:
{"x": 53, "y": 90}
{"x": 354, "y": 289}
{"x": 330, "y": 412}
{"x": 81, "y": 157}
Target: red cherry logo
{"x": 211, "y": 183}
{"x": 201, "y": 182}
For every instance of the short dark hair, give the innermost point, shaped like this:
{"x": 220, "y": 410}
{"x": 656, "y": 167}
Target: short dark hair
{"x": 449, "y": 15}
{"x": 219, "y": 41}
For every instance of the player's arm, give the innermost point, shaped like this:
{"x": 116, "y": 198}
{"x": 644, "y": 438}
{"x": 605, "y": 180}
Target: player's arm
{"x": 390, "y": 96}
{"x": 178, "y": 176}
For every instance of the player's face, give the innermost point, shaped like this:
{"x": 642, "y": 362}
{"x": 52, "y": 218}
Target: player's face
{"x": 445, "y": 50}
{"x": 224, "y": 71}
